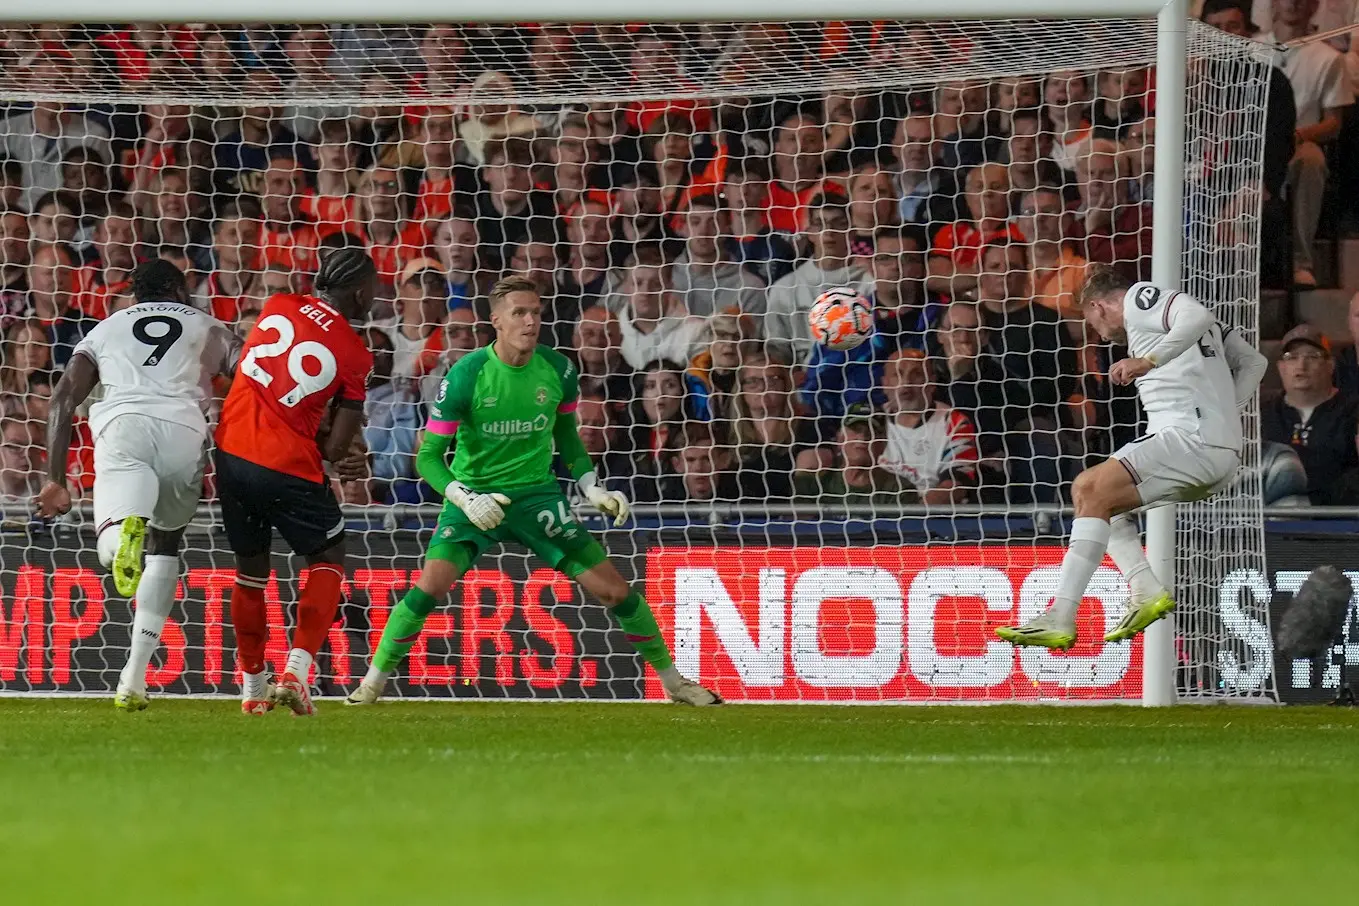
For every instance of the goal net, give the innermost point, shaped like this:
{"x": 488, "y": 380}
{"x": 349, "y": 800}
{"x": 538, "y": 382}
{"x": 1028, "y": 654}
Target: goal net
{"x": 810, "y": 524}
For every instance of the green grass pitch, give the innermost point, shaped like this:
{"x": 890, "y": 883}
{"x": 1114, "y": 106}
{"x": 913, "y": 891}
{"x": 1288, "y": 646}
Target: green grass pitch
{"x": 478, "y": 803}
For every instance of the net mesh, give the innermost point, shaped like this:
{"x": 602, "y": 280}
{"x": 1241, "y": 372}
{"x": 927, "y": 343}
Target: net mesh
{"x": 811, "y": 524}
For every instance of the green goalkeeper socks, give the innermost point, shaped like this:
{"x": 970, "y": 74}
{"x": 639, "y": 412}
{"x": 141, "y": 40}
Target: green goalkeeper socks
{"x": 403, "y": 628}
{"x": 639, "y": 626}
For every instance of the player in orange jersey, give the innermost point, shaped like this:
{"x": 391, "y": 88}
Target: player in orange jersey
{"x": 302, "y": 356}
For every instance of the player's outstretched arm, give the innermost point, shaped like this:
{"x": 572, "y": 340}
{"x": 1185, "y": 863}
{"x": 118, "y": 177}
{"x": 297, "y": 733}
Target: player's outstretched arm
{"x": 566, "y": 436}
{"x": 1247, "y": 364}
{"x": 1187, "y": 321}
{"x": 75, "y": 385}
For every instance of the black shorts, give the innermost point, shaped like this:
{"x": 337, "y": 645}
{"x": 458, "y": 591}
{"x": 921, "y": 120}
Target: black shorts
{"x": 255, "y": 500}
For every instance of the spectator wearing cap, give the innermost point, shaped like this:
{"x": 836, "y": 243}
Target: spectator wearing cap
{"x": 455, "y": 243}
{"x": 850, "y": 468}
{"x": 1322, "y": 90}
{"x": 745, "y": 194}
{"x": 955, "y": 252}
{"x": 799, "y": 159}
{"x": 416, "y": 330}
{"x": 929, "y": 445}
{"x": 14, "y": 237}
{"x": 653, "y": 323}
{"x": 51, "y": 279}
{"x": 1319, "y": 421}
{"x": 242, "y": 157}
{"x": 1117, "y": 226}
{"x": 40, "y": 138}
{"x": 392, "y": 418}
{"x": 1346, "y": 361}
{"x": 831, "y": 265}
{"x": 705, "y": 275}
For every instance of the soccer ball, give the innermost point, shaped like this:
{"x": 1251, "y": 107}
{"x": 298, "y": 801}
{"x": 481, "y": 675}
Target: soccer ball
{"x": 841, "y": 318}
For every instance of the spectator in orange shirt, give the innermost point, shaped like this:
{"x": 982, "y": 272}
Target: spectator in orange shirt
{"x": 1066, "y": 100}
{"x": 437, "y": 135}
{"x": 393, "y": 239}
{"x": 288, "y": 237}
{"x": 236, "y": 259}
{"x": 331, "y": 206}
{"x": 1058, "y": 268}
{"x": 1117, "y": 228}
{"x": 953, "y": 262}
{"x": 799, "y": 167}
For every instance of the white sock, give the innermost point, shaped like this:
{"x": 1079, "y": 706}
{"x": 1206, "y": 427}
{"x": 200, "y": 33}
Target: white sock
{"x": 1084, "y": 553}
{"x": 376, "y": 677}
{"x": 299, "y": 664}
{"x": 107, "y": 544}
{"x": 254, "y": 686}
{"x": 155, "y": 597}
{"x": 1125, "y": 546}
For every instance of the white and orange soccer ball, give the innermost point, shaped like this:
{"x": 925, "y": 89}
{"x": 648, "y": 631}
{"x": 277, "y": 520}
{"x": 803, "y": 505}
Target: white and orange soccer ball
{"x": 841, "y": 318}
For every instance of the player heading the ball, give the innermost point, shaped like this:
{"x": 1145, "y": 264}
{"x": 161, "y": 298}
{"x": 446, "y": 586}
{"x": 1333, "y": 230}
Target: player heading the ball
{"x": 510, "y": 405}
{"x": 1193, "y": 378}
{"x": 156, "y": 360}
{"x": 302, "y": 357}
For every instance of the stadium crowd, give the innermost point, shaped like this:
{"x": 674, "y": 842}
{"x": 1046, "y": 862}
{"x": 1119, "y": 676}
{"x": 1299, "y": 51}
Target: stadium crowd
{"x": 678, "y": 243}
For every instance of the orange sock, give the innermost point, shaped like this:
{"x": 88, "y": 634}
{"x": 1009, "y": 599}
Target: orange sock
{"x": 316, "y": 608}
{"x": 251, "y": 622}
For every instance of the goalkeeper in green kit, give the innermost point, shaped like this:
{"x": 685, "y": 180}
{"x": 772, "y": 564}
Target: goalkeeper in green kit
{"x": 510, "y": 405}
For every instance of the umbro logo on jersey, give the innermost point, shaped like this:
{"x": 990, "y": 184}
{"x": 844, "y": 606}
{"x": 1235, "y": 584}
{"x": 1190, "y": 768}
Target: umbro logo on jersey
{"x": 489, "y": 402}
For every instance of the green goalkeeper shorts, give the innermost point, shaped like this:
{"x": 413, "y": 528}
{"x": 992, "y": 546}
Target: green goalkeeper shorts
{"x": 537, "y": 517}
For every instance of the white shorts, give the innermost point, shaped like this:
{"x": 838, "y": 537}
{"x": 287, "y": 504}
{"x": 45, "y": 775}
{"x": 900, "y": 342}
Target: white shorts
{"x": 1174, "y": 466}
{"x": 148, "y": 467}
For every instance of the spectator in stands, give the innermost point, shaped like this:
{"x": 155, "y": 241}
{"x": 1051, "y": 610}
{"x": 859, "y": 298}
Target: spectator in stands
{"x": 1018, "y": 447}
{"x": 1014, "y": 94}
{"x": 393, "y": 238}
{"x": 790, "y": 299}
{"x": 734, "y": 339}
{"x": 570, "y": 156}
{"x": 640, "y": 207}
{"x": 242, "y": 157}
{"x": 1066, "y": 101}
{"x": 455, "y": 244}
{"x": 760, "y": 250}
{"x": 51, "y": 278}
{"x": 953, "y": 260}
{"x": 1058, "y": 268}
{"x": 392, "y": 419}
{"x": 684, "y": 161}
{"x": 40, "y": 138}
{"x": 280, "y": 279}
{"x": 437, "y": 147}
{"x": 536, "y": 258}
{"x": 799, "y": 158}
{"x": 85, "y": 179}
{"x": 1322, "y": 89}
{"x": 1119, "y": 101}
{"x": 925, "y": 187}
{"x": 416, "y": 331}
{"x": 332, "y": 206}
{"x": 1027, "y": 339}
{"x": 929, "y": 445}
{"x": 311, "y": 53}
{"x": 705, "y": 468}
{"x": 236, "y": 254}
{"x": 1117, "y": 227}
{"x": 1316, "y": 419}
{"x": 664, "y": 408}
{"x": 969, "y": 125}
{"x": 14, "y": 237}
{"x": 177, "y": 222}
{"x": 492, "y": 124}
{"x": 287, "y": 236}
{"x": 54, "y": 219}
{"x": 897, "y": 265}
{"x": 597, "y": 343}
{"x": 873, "y": 202}
{"x": 509, "y": 205}
{"x": 25, "y": 357}
{"x": 244, "y": 324}
{"x": 653, "y": 322}
{"x": 850, "y": 467}
{"x": 460, "y": 337}
{"x": 598, "y": 418}
{"x": 1028, "y": 152}
{"x": 1347, "y": 362}
{"x": 21, "y": 460}
{"x": 443, "y": 54}
{"x": 11, "y": 184}
{"x": 769, "y": 432}
{"x": 705, "y": 275}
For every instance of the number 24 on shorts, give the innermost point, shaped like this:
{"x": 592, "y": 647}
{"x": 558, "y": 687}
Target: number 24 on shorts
{"x": 549, "y": 519}
{"x": 306, "y": 383}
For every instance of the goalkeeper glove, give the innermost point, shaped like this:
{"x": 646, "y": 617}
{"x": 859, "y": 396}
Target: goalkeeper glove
{"x": 610, "y": 503}
{"x": 482, "y": 510}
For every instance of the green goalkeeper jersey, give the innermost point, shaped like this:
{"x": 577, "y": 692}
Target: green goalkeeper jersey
{"x": 505, "y": 417}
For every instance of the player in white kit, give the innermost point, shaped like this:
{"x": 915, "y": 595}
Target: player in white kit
{"x": 156, "y": 361}
{"x": 1193, "y": 378}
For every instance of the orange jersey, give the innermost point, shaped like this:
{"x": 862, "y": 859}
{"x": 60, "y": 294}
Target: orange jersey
{"x": 301, "y": 355}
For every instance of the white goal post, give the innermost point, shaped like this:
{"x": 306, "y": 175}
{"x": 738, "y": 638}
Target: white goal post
{"x": 1161, "y": 662}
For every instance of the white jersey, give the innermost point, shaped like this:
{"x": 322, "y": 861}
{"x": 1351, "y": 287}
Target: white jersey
{"x": 156, "y": 359}
{"x": 1195, "y": 390}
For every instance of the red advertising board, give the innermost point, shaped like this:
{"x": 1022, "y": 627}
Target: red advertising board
{"x": 882, "y": 624}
